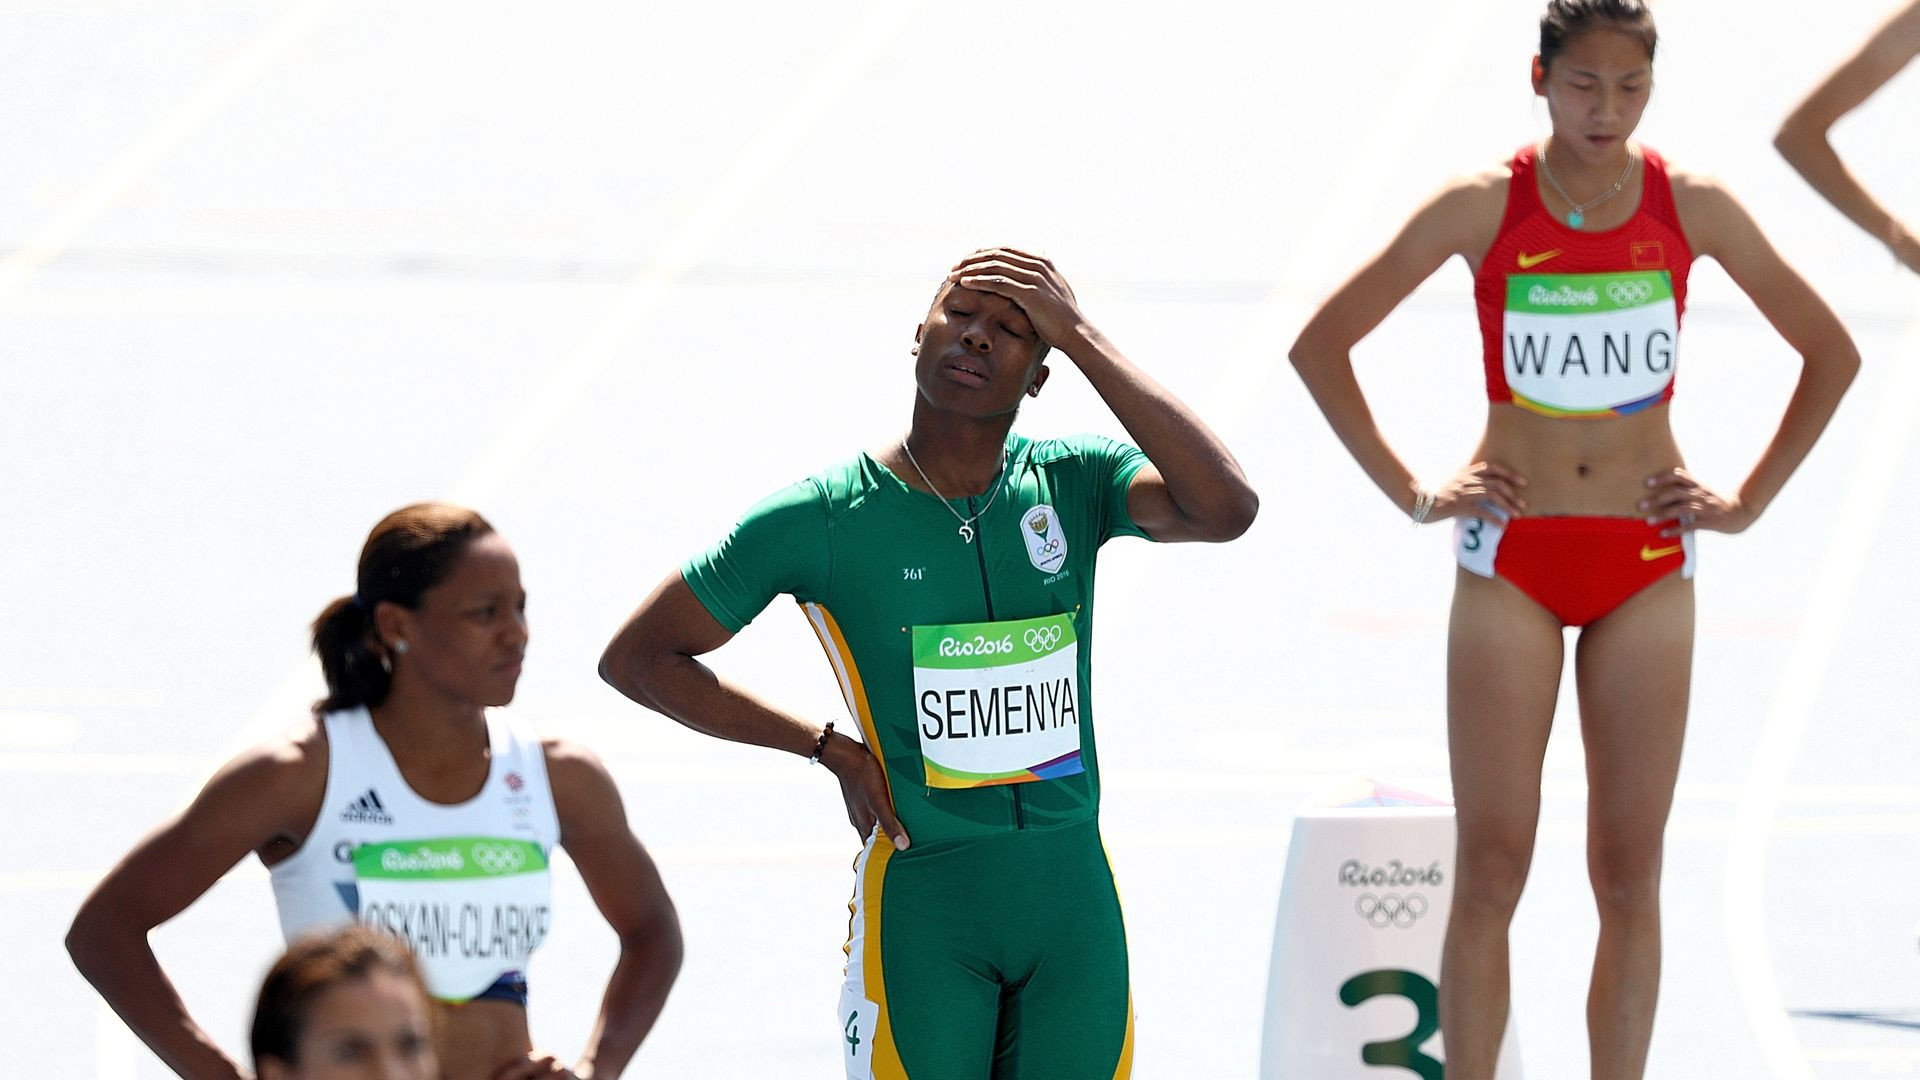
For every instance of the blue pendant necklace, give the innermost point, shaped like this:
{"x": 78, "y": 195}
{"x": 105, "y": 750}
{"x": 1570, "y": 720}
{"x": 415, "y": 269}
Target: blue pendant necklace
{"x": 1577, "y": 216}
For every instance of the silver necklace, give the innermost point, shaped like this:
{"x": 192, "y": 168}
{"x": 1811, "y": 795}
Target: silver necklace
{"x": 1578, "y": 215}
{"x": 966, "y": 523}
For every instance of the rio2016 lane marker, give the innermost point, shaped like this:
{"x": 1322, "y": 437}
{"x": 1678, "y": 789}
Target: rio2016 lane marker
{"x": 1869, "y": 490}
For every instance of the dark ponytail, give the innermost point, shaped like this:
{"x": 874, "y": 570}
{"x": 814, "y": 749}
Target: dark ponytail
{"x": 1568, "y": 19}
{"x": 410, "y": 551}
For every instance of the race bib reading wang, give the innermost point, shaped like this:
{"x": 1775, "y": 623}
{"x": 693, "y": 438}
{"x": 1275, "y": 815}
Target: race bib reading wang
{"x": 473, "y": 909}
{"x": 998, "y": 702}
{"x": 1590, "y": 344}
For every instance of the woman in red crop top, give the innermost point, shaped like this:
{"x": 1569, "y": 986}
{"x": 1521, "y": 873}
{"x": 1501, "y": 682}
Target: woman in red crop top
{"x": 1578, "y": 509}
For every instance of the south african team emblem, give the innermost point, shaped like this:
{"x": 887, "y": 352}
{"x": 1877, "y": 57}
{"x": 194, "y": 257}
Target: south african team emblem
{"x": 1046, "y": 540}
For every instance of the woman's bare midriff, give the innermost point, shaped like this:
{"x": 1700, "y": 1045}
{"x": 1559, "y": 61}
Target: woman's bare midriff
{"x": 477, "y": 1039}
{"x": 1586, "y": 467}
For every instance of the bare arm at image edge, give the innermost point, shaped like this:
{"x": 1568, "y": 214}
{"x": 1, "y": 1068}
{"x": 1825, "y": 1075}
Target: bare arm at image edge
{"x": 1803, "y": 138}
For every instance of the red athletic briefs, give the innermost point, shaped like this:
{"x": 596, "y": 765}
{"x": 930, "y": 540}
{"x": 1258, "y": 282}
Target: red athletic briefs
{"x": 1578, "y": 568}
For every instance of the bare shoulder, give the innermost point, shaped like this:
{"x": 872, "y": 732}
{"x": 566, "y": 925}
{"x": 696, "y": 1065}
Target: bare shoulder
{"x": 572, "y": 760}
{"x": 288, "y": 765}
{"x": 1481, "y": 193}
{"x": 585, "y": 798}
{"x": 1489, "y": 183}
{"x": 1691, "y": 183}
{"x": 1694, "y": 190}
{"x": 268, "y": 793}
{"x": 1465, "y": 214}
{"x": 1708, "y": 210}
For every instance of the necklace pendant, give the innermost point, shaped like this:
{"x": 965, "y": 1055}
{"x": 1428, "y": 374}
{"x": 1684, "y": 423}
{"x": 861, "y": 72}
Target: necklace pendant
{"x": 1576, "y": 219}
{"x": 966, "y": 532}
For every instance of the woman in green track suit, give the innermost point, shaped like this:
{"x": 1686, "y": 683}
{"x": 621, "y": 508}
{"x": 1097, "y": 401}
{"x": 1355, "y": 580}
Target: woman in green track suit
{"x": 949, "y": 577}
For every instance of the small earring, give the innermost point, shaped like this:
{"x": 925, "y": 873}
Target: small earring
{"x": 1034, "y": 390}
{"x": 915, "y": 350}
{"x": 400, "y": 648}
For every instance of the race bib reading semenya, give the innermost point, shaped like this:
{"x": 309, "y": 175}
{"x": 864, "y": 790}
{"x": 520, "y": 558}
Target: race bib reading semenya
{"x": 1590, "y": 344}
{"x": 472, "y": 908}
{"x": 998, "y": 702}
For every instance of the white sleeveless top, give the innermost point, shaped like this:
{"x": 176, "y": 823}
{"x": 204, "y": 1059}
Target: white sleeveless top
{"x": 466, "y": 885}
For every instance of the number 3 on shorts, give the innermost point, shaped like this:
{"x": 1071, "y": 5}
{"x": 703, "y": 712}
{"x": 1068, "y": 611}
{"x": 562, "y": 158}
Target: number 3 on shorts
{"x": 858, "y": 1018}
{"x": 1403, "y": 1052}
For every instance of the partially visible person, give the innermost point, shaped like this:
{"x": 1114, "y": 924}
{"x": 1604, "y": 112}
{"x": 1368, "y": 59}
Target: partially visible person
{"x": 412, "y": 802}
{"x": 1803, "y": 136}
{"x": 345, "y": 1005}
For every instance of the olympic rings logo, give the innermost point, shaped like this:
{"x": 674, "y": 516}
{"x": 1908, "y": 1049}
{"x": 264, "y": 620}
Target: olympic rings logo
{"x": 1629, "y": 293}
{"x": 499, "y": 858}
{"x": 1043, "y": 638}
{"x": 1050, "y": 547}
{"x": 1391, "y": 909}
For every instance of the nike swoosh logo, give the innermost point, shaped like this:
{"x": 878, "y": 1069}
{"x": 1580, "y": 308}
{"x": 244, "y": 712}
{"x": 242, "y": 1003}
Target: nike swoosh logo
{"x": 1528, "y": 262}
{"x": 1648, "y": 554}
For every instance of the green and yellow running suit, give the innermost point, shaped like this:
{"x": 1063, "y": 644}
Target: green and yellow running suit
{"x": 999, "y": 951}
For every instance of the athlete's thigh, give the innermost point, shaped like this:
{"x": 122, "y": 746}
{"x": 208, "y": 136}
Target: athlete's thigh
{"x": 916, "y": 970}
{"x": 1504, "y": 654}
{"x": 1071, "y": 1017}
{"x": 1634, "y": 668}
{"x": 942, "y": 1011}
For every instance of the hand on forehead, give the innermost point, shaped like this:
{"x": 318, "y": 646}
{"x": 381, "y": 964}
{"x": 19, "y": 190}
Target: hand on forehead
{"x": 1000, "y": 259}
{"x": 1008, "y": 272}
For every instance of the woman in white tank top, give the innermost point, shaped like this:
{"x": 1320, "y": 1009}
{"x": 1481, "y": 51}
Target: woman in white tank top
{"x": 408, "y": 805}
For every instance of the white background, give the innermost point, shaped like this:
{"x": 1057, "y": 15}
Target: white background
{"x": 610, "y": 272}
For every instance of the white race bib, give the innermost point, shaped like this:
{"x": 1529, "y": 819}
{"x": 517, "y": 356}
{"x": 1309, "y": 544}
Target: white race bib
{"x": 471, "y": 908}
{"x": 998, "y": 702}
{"x": 859, "y": 1019}
{"x": 1590, "y": 345}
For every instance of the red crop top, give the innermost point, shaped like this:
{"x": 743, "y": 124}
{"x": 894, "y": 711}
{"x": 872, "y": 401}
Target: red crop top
{"x": 1583, "y": 324}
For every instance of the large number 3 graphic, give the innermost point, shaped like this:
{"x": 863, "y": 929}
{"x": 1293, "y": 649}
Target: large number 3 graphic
{"x": 1404, "y": 1052}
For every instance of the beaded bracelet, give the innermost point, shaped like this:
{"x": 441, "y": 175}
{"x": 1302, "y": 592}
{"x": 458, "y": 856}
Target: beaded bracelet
{"x": 820, "y": 747}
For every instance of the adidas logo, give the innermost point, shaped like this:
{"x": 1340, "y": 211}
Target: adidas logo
{"x": 367, "y": 810}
